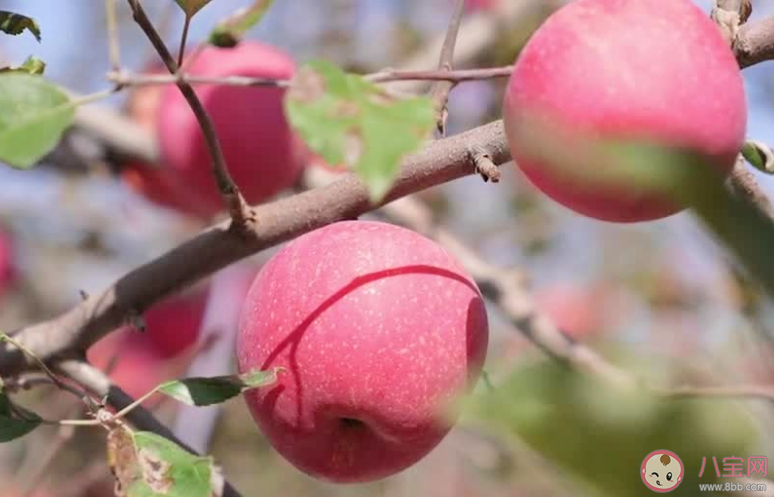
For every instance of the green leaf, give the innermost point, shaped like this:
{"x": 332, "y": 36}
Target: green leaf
{"x": 191, "y": 7}
{"x": 33, "y": 115}
{"x": 15, "y": 421}
{"x": 349, "y": 120}
{"x": 215, "y": 390}
{"x": 15, "y": 24}
{"x": 32, "y": 65}
{"x": 148, "y": 465}
{"x": 759, "y": 155}
{"x": 231, "y": 30}
{"x": 599, "y": 434}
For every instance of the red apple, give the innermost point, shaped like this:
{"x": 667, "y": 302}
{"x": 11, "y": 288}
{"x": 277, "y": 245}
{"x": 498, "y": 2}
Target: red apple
{"x": 263, "y": 154}
{"x": 644, "y": 70}
{"x": 6, "y": 261}
{"x": 380, "y": 330}
{"x": 480, "y": 5}
{"x": 159, "y": 185}
{"x": 575, "y": 310}
{"x": 146, "y": 359}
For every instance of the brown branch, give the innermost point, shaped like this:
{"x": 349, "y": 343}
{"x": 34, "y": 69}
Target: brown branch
{"x": 458, "y": 76}
{"x": 241, "y": 215}
{"x": 754, "y": 42}
{"x": 99, "y": 384}
{"x": 440, "y": 92}
{"x": 217, "y": 247}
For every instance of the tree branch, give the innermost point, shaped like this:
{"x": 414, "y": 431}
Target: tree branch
{"x": 755, "y": 42}
{"x": 217, "y": 247}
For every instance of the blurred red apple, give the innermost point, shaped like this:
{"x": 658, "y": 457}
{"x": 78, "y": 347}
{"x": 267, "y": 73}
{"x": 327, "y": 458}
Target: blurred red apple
{"x": 478, "y": 5}
{"x": 380, "y": 331}
{"x": 624, "y": 70}
{"x": 143, "y": 360}
{"x": 577, "y": 311}
{"x": 157, "y": 184}
{"x": 263, "y": 154}
{"x": 6, "y": 261}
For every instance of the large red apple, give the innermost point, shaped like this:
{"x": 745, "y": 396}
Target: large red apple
{"x": 380, "y": 331}
{"x": 644, "y": 70}
{"x": 143, "y": 360}
{"x": 263, "y": 154}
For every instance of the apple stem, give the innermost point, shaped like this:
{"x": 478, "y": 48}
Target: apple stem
{"x": 183, "y": 40}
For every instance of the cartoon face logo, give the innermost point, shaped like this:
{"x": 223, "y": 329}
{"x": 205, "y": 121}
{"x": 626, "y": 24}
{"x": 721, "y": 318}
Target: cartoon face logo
{"x": 662, "y": 471}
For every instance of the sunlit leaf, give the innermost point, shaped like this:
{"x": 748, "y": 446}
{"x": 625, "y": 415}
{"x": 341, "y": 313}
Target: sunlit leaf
{"x": 350, "y": 121}
{"x": 759, "y": 155}
{"x": 33, "y": 115}
{"x": 32, "y": 65}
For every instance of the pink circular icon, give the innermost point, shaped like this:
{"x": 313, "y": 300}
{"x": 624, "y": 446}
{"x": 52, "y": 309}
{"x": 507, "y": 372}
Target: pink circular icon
{"x": 662, "y": 471}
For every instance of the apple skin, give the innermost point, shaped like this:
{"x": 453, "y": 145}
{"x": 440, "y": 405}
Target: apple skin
{"x": 480, "y": 5}
{"x": 380, "y": 330}
{"x": 263, "y": 154}
{"x": 159, "y": 185}
{"x": 655, "y": 70}
{"x": 146, "y": 359}
{"x": 6, "y": 262}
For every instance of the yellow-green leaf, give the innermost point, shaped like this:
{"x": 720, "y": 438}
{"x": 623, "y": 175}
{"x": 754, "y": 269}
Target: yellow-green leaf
{"x": 33, "y": 115}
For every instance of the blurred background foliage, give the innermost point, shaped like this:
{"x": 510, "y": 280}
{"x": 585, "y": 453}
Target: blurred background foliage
{"x": 661, "y": 300}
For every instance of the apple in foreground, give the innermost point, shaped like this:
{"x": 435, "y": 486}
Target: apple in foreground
{"x": 380, "y": 331}
{"x": 263, "y": 154}
{"x": 624, "y": 70}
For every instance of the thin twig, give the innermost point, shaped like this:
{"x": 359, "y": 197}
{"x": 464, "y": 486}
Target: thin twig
{"x": 455, "y": 76}
{"x": 126, "y": 79}
{"x": 241, "y": 214}
{"x": 114, "y": 48}
{"x": 440, "y": 91}
{"x": 452, "y": 75}
{"x": 183, "y": 41}
{"x": 33, "y": 380}
{"x": 42, "y": 365}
